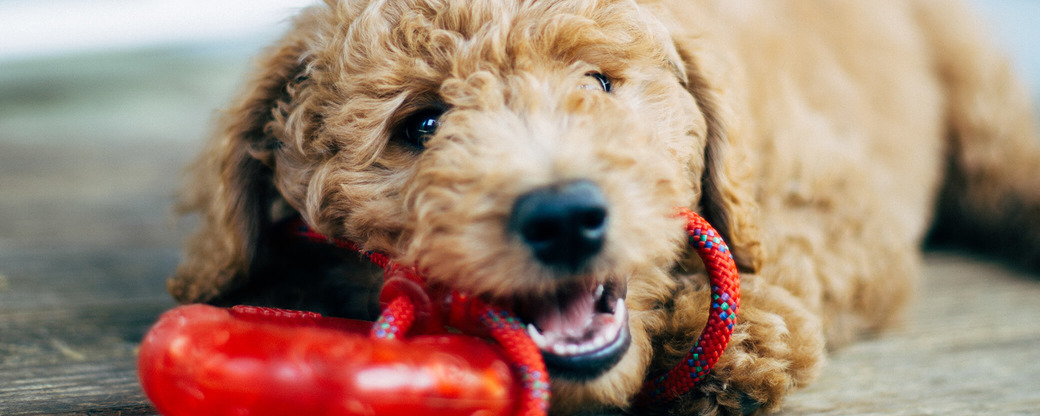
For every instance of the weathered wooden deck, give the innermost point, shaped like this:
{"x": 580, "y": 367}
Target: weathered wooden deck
{"x": 87, "y": 239}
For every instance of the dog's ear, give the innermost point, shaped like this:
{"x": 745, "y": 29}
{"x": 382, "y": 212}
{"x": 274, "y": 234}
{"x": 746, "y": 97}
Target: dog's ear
{"x": 727, "y": 194}
{"x": 230, "y": 185}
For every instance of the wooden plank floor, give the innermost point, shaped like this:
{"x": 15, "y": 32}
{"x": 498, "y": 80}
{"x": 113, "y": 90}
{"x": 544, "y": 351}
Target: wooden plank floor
{"x": 86, "y": 241}
{"x": 970, "y": 346}
{"x": 81, "y": 277}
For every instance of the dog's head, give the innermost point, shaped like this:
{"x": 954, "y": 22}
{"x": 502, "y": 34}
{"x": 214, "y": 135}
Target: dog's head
{"x": 530, "y": 152}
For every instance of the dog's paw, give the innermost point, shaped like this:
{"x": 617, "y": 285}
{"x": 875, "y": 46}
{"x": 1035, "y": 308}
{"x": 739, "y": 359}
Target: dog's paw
{"x": 716, "y": 397}
{"x": 776, "y": 347}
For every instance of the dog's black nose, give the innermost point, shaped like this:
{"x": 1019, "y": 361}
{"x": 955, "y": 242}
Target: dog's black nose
{"x": 564, "y": 225}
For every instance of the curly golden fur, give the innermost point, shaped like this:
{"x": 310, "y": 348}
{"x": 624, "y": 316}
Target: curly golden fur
{"x": 822, "y": 138}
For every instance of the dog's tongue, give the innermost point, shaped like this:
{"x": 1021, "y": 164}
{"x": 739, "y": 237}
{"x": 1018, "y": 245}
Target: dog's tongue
{"x": 569, "y": 318}
{"x": 576, "y": 321}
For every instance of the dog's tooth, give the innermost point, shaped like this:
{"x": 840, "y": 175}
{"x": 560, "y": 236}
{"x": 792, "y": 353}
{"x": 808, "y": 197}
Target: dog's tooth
{"x": 599, "y": 292}
{"x": 537, "y": 336}
{"x": 611, "y": 332}
{"x": 572, "y": 349}
{"x": 559, "y": 349}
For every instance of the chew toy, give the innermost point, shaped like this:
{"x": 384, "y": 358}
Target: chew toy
{"x": 202, "y": 360}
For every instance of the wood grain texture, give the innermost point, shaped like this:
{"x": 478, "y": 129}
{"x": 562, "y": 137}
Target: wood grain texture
{"x": 970, "y": 346}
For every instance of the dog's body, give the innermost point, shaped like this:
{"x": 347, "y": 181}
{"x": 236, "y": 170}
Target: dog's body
{"x": 822, "y": 138}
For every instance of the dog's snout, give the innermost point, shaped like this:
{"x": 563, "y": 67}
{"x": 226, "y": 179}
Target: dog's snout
{"x": 563, "y": 225}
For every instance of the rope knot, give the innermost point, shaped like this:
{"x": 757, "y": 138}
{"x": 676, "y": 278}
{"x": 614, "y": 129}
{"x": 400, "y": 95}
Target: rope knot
{"x": 404, "y": 284}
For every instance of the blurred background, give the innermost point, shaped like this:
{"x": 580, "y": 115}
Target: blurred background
{"x": 102, "y": 102}
{"x": 87, "y": 84}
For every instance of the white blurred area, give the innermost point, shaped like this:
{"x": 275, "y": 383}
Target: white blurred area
{"x": 1015, "y": 24}
{"x": 46, "y": 28}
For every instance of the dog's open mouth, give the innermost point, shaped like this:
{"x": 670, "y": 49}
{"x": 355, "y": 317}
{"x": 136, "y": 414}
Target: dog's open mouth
{"x": 581, "y": 329}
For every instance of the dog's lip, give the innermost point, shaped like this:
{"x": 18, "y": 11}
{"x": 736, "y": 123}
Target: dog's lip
{"x": 581, "y": 330}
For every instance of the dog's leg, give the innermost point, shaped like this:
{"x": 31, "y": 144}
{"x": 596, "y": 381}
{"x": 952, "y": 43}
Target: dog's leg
{"x": 991, "y": 197}
{"x": 827, "y": 284}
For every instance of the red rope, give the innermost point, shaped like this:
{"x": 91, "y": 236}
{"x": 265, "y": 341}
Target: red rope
{"x": 467, "y": 313}
{"x": 300, "y": 228}
{"x": 520, "y": 350}
{"x": 408, "y": 300}
{"x": 725, "y": 298}
{"x": 396, "y": 319}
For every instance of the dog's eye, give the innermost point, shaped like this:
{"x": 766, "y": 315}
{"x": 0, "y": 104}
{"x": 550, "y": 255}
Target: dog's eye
{"x": 419, "y": 127}
{"x": 604, "y": 82}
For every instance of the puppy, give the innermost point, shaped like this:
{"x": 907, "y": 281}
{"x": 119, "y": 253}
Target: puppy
{"x": 532, "y": 152}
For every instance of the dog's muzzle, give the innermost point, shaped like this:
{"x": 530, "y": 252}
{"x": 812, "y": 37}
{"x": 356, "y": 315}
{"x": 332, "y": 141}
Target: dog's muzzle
{"x": 582, "y": 328}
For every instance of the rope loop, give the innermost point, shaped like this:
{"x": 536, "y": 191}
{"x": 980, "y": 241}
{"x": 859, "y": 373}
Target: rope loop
{"x": 722, "y": 316}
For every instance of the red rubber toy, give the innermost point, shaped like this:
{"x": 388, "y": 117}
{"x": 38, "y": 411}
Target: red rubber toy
{"x": 203, "y": 360}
